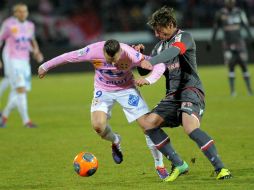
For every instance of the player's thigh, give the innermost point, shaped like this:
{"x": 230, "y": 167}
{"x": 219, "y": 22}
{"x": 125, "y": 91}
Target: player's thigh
{"x": 228, "y": 56}
{"x": 19, "y": 74}
{"x": 6, "y": 62}
{"x": 99, "y": 120}
{"x": 191, "y": 115}
{"x": 132, "y": 103}
{"x": 243, "y": 58}
{"x": 102, "y": 101}
{"x": 167, "y": 109}
{"x": 17, "y": 78}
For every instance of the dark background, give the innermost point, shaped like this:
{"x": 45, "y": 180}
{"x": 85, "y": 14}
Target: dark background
{"x": 65, "y": 25}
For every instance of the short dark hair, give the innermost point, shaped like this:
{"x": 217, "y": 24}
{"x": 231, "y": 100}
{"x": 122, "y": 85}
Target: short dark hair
{"x": 14, "y": 7}
{"x": 111, "y": 47}
{"x": 162, "y": 18}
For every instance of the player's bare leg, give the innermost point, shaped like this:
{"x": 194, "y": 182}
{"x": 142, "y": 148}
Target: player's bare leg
{"x": 99, "y": 123}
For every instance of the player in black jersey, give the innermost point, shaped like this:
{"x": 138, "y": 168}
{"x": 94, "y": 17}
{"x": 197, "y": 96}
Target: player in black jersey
{"x": 232, "y": 19}
{"x": 184, "y": 102}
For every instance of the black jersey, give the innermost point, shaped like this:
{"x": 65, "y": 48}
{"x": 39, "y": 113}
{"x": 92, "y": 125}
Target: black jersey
{"x": 181, "y": 69}
{"x": 232, "y": 21}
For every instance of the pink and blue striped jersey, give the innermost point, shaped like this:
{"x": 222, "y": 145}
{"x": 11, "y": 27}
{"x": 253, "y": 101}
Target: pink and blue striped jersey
{"x": 17, "y": 36}
{"x": 107, "y": 76}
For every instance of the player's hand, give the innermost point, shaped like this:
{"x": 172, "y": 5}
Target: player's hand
{"x": 146, "y": 65}
{"x": 208, "y": 47}
{"x": 41, "y": 72}
{"x": 141, "y": 82}
{"x": 1, "y": 64}
{"x": 140, "y": 48}
{"x": 38, "y": 56}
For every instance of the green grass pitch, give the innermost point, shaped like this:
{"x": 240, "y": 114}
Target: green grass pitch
{"x": 60, "y": 104}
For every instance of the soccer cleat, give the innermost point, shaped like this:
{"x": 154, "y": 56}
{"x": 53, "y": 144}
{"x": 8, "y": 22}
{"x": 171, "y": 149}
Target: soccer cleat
{"x": 223, "y": 173}
{"x": 176, "y": 171}
{"x": 3, "y": 121}
{"x": 116, "y": 152}
{"x": 30, "y": 125}
{"x": 162, "y": 172}
{"x": 233, "y": 94}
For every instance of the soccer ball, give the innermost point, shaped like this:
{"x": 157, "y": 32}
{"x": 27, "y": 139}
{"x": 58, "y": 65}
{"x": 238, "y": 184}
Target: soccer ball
{"x": 85, "y": 164}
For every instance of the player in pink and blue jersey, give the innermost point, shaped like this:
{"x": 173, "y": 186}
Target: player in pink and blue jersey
{"x": 18, "y": 34}
{"x": 113, "y": 82}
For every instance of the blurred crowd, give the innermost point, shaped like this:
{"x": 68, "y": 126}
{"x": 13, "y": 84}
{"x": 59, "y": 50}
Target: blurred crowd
{"x": 79, "y": 21}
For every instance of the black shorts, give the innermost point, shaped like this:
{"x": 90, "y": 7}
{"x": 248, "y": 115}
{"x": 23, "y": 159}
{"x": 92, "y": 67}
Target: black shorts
{"x": 234, "y": 54}
{"x": 190, "y": 101}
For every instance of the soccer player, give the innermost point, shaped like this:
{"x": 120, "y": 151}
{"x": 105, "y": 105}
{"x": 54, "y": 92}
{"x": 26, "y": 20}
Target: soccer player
{"x": 184, "y": 103}
{"x": 18, "y": 34}
{"x": 232, "y": 19}
{"x": 113, "y": 82}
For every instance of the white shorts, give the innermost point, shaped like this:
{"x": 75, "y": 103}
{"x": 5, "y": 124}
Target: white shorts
{"x": 6, "y": 65}
{"x": 131, "y": 101}
{"x": 19, "y": 74}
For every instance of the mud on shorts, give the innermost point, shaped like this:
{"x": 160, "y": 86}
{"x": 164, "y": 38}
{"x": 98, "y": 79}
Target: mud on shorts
{"x": 190, "y": 101}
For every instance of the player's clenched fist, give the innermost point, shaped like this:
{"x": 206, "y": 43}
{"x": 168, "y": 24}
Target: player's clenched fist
{"x": 141, "y": 82}
{"x": 41, "y": 72}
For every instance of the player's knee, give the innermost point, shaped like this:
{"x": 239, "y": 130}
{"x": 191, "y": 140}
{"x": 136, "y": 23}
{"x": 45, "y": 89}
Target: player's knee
{"x": 152, "y": 121}
{"x": 98, "y": 126}
{"x": 190, "y": 123}
{"x": 21, "y": 90}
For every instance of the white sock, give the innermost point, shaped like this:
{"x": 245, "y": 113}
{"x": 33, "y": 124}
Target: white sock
{"x": 3, "y": 85}
{"x": 157, "y": 155}
{"x": 109, "y": 135}
{"x": 22, "y": 107}
{"x": 12, "y": 103}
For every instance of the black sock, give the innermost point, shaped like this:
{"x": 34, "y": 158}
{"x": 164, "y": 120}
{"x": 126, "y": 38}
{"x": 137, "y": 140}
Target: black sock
{"x": 206, "y": 144}
{"x": 247, "y": 82}
{"x": 162, "y": 143}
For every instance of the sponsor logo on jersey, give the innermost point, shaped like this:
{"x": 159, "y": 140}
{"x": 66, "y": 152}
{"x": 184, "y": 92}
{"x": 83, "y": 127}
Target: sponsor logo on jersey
{"x": 137, "y": 54}
{"x": 14, "y": 30}
{"x": 83, "y": 51}
{"x": 97, "y": 63}
{"x": 113, "y": 82}
{"x": 173, "y": 66}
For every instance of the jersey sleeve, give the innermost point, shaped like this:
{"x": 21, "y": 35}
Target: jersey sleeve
{"x": 134, "y": 56}
{"x": 245, "y": 24}
{"x": 183, "y": 42}
{"x": 156, "y": 73}
{"x": 4, "y": 32}
{"x": 70, "y": 57}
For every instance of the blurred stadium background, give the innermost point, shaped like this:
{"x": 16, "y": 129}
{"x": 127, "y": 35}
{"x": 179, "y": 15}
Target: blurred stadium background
{"x": 64, "y": 25}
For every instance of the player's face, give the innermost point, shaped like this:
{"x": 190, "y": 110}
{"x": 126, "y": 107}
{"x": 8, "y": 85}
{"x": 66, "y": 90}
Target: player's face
{"x": 164, "y": 33}
{"x": 113, "y": 60}
{"x": 21, "y": 12}
{"x": 230, "y": 3}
